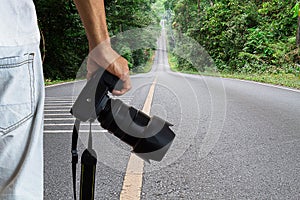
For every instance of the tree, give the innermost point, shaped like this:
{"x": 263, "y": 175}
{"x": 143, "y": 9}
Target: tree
{"x": 296, "y": 10}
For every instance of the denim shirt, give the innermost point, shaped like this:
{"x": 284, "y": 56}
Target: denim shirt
{"x": 18, "y": 23}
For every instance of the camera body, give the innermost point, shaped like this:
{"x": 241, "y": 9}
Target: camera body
{"x": 150, "y": 137}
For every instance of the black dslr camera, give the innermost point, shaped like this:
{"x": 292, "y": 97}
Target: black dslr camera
{"x": 150, "y": 137}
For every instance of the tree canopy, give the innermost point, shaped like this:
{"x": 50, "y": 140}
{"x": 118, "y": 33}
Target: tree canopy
{"x": 240, "y": 36}
{"x": 65, "y": 44}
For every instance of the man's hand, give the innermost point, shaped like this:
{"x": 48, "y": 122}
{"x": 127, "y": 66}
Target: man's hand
{"x": 104, "y": 56}
{"x": 120, "y": 69}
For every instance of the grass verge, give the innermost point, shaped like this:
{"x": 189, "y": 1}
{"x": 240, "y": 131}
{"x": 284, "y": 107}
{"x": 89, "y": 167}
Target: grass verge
{"x": 287, "y": 80}
{"x": 53, "y": 82}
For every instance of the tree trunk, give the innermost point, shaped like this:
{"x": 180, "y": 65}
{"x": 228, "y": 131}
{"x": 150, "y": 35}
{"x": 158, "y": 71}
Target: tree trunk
{"x": 199, "y": 8}
{"x": 298, "y": 30}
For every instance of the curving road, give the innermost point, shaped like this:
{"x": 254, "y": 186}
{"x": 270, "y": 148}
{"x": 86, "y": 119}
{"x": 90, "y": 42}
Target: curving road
{"x": 234, "y": 139}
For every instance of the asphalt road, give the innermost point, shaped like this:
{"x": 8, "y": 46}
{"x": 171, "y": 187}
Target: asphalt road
{"x": 234, "y": 139}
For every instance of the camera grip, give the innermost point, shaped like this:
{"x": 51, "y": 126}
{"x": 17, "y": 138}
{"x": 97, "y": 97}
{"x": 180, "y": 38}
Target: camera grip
{"x": 112, "y": 81}
{"x": 93, "y": 92}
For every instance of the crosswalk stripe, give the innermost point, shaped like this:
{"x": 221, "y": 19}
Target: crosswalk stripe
{"x": 57, "y": 105}
{"x": 60, "y": 119}
{"x": 58, "y": 114}
{"x": 70, "y": 131}
{"x": 60, "y": 104}
{"x": 69, "y": 124}
{"x": 57, "y": 110}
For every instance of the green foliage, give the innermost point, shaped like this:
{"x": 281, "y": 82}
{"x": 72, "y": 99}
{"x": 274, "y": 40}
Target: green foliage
{"x": 241, "y": 36}
{"x": 128, "y": 15}
{"x": 136, "y": 45}
{"x": 66, "y": 45}
{"x": 65, "y": 40}
{"x": 296, "y": 10}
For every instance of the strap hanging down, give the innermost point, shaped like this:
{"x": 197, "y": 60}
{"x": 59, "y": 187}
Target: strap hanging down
{"x": 75, "y": 153}
{"x": 88, "y": 170}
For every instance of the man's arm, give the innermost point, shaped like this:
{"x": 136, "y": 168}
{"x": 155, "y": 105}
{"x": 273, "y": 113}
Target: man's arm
{"x": 92, "y": 13}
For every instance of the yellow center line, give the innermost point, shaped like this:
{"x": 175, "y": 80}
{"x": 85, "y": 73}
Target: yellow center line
{"x": 133, "y": 179}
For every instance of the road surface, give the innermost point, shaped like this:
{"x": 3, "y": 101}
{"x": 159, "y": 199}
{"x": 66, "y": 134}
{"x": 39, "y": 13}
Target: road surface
{"x": 234, "y": 139}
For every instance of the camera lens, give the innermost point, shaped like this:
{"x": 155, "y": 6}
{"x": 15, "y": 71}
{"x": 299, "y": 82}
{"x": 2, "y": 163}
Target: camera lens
{"x": 151, "y": 136}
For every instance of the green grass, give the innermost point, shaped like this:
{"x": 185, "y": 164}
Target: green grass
{"x": 53, "y": 82}
{"x": 147, "y": 67}
{"x": 287, "y": 80}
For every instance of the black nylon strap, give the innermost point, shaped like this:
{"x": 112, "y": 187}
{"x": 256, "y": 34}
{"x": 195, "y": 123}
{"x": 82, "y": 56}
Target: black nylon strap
{"x": 75, "y": 153}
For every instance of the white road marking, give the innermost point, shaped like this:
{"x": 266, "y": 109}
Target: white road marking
{"x": 62, "y": 97}
{"x": 70, "y": 124}
{"x": 58, "y": 114}
{"x": 70, "y": 131}
{"x": 58, "y": 109}
{"x": 60, "y": 119}
{"x": 59, "y": 104}
{"x": 61, "y": 110}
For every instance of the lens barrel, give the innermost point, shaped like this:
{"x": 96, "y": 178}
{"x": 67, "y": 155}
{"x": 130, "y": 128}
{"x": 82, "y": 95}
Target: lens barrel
{"x": 150, "y": 137}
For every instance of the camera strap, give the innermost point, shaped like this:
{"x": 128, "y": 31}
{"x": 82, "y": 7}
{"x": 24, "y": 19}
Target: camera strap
{"x": 88, "y": 170}
{"x": 88, "y": 165}
{"x": 75, "y": 153}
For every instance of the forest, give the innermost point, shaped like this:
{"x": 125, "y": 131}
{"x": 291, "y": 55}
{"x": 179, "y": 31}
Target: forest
{"x": 64, "y": 45}
{"x": 256, "y": 37}
{"x": 251, "y": 38}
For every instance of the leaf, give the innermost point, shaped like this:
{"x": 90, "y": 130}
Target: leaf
{"x": 296, "y": 10}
